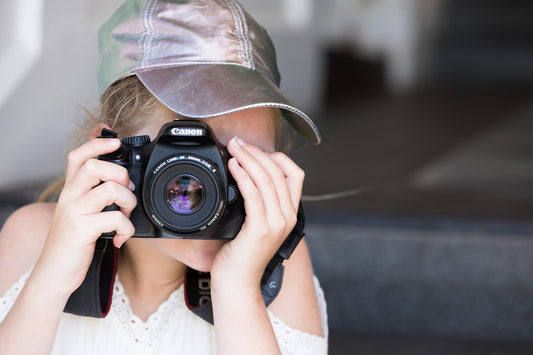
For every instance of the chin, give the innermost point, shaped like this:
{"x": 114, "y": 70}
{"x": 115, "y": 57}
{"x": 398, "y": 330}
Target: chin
{"x": 201, "y": 262}
{"x": 202, "y": 253}
{"x": 202, "y": 267}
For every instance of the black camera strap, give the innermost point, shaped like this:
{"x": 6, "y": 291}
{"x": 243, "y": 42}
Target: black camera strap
{"x": 93, "y": 297}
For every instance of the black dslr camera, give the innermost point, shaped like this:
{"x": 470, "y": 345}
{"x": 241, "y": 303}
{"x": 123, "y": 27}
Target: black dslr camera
{"x": 182, "y": 183}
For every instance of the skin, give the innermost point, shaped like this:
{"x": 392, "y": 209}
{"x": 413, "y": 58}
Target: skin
{"x": 60, "y": 241}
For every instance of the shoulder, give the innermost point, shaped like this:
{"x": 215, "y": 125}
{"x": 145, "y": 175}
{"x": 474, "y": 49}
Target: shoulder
{"x": 21, "y": 241}
{"x": 297, "y": 303}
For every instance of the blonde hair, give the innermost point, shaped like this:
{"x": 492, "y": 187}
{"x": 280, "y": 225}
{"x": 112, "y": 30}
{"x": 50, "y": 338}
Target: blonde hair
{"x": 124, "y": 107}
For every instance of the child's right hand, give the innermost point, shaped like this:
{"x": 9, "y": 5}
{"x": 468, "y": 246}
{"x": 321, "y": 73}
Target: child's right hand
{"x": 79, "y": 220}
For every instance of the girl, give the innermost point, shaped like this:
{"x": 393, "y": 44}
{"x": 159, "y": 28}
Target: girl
{"x": 160, "y": 61}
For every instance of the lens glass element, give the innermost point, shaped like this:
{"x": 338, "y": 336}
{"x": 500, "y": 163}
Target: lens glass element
{"x": 185, "y": 194}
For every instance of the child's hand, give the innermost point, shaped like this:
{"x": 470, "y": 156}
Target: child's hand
{"x": 90, "y": 186}
{"x": 271, "y": 185}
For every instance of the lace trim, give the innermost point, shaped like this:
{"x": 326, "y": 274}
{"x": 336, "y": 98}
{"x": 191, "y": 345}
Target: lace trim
{"x": 147, "y": 333}
{"x": 10, "y": 296}
{"x": 294, "y": 339}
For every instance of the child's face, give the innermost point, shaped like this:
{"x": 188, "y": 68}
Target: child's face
{"x": 256, "y": 126}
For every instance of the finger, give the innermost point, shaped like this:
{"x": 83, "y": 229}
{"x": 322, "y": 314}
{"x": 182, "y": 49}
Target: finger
{"x": 260, "y": 178}
{"x": 294, "y": 175}
{"x": 277, "y": 175}
{"x": 120, "y": 239}
{"x": 248, "y": 190}
{"x": 95, "y": 200}
{"x": 92, "y": 173}
{"x": 89, "y": 150}
{"x": 111, "y": 221}
{"x": 268, "y": 229}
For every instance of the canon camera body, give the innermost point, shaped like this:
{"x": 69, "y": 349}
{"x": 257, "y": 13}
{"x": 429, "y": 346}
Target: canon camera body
{"x": 182, "y": 183}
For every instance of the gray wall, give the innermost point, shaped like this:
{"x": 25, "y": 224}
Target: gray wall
{"x": 40, "y": 111}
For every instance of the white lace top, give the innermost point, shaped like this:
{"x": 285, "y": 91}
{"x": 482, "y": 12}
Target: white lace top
{"x": 172, "y": 329}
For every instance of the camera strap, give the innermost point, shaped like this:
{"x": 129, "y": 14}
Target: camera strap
{"x": 93, "y": 297}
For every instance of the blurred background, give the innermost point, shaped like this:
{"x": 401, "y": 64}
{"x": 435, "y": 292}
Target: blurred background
{"x": 419, "y": 200}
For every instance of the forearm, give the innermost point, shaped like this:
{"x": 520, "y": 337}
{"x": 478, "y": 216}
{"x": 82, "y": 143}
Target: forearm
{"x": 242, "y": 324}
{"x": 31, "y": 325}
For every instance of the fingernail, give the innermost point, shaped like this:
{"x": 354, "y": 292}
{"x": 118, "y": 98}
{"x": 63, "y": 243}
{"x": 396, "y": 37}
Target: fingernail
{"x": 239, "y": 141}
{"x": 119, "y": 245}
{"x": 131, "y": 186}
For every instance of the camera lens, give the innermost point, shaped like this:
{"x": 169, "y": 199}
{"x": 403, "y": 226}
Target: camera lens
{"x": 184, "y": 194}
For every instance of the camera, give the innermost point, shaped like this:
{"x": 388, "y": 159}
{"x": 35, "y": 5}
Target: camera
{"x": 182, "y": 183}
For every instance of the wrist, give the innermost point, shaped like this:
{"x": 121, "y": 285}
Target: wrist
{"x": 238, "y": 308}
{"x": 235, "y": 299}
{"x": 228, "y": 280}
{"x": 56, "y": 281}
{"x": 41, "y": 302}
{"x": 47, "y": 286}
{"x": 234, "y": 285}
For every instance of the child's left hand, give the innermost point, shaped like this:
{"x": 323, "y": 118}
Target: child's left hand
{"x": 271, "y": 186}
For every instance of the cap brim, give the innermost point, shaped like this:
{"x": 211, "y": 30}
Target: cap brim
{"x": 209, "y": 90}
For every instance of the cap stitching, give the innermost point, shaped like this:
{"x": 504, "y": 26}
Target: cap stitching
{"x": 300, "y": 114}
{"x": 237, "y": 22}
{"x": 235, "y": 27}
{"x": 149, "y": 32}
{"x": 141, "y": 45}
{"x": 246, "y": 38}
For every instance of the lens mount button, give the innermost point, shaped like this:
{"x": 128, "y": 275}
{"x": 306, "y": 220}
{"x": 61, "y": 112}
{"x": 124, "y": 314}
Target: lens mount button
{"x": 232, "y": 193}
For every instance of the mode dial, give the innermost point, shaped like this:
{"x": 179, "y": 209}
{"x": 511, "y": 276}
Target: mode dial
{"x": 136, "y": 140}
